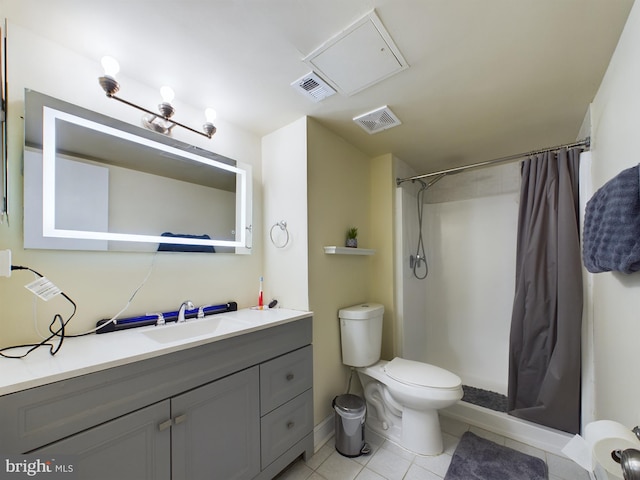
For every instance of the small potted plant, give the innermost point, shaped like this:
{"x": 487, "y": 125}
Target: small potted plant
{"x": 352, "y": 237}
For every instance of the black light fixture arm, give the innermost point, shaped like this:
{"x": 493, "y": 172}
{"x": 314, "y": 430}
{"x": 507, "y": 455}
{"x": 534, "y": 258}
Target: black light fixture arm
{"x": 156, "y": 114}
{"x": 111, "y": 87}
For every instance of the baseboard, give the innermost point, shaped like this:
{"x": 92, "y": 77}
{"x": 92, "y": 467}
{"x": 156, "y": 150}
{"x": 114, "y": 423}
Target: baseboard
{"x": 323, "y": 432}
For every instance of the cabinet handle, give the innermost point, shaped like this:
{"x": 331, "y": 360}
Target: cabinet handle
{"x": 180, "y": 418}
{"x": 290, "y": 376}
{"x": 164, "y": 425}
{"x": 290, "y": 425}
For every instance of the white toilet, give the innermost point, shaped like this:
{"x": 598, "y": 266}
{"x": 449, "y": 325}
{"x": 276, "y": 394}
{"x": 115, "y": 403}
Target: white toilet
{"x": 403, "y": 396}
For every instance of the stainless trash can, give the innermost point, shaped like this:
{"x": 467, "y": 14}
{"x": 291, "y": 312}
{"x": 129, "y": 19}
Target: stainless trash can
{"x": 350, "y": 411}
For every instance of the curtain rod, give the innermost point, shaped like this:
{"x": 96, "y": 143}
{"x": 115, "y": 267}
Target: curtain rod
{"x": 586, "y": 142}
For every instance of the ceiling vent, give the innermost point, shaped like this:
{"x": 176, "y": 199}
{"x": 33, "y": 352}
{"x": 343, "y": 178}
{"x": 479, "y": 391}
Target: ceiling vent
{"x": 313, "y": 87}
{"x": 377, "y": 120}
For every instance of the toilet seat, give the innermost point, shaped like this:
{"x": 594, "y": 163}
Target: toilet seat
{"x": 421, "y": 374}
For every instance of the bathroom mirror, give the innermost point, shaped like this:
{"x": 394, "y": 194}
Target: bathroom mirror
{"x": 3, "y": 131}
{"x": 95, "y": 183}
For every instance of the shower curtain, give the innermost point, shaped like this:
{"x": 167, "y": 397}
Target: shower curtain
{"x": 544, "y": 352}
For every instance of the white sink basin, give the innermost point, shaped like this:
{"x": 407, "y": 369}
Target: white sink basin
{"x": 215, "y": 325}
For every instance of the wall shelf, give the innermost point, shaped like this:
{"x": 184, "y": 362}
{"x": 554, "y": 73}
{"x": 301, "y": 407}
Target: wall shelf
{"x": 333, "y": 250}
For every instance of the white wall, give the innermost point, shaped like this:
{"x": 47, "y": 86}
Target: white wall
{"x": 102, "y": 282}
{"x": 284, "y": 172}
{"x": 616, "y": 297}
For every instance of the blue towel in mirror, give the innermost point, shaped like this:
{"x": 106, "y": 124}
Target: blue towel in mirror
{"x": 611, "y": 237}
{"x": 178, "y": 247}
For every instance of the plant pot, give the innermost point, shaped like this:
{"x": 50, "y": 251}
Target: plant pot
{"x": 352, "y": 242}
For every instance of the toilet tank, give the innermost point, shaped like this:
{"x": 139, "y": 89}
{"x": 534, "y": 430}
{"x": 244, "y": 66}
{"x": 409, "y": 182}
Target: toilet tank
{"x": 361, "y": 334}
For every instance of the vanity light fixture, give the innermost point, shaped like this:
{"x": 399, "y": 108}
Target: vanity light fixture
{"x": 157, "y": 121}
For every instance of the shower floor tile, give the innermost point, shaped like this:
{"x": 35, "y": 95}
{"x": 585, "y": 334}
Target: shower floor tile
{"x": 485, "y": 398}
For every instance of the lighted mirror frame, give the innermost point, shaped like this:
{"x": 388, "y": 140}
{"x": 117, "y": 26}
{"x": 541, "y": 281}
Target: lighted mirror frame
{"x": 49, "y": 153}
{"x": 3, "y": 127}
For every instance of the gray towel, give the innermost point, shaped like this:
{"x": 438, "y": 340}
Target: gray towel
{"x": 611, "y": 238}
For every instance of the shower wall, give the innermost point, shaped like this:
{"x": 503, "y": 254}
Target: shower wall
{"x": 459, "y": 317}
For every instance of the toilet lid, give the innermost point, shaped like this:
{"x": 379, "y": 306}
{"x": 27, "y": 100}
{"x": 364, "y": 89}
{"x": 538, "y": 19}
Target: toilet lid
{"x": 422, "y": 374}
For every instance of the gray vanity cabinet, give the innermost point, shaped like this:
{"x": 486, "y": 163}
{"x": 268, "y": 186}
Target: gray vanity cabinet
{"x": 128, "y": 447}
{"x": 239, "y": 408}
{"x": 210, "y": 432}
{"x": 216, "y": 432}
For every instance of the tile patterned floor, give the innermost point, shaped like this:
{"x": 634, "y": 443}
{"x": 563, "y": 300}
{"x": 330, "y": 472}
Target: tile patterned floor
{"x": 387, "y": 461}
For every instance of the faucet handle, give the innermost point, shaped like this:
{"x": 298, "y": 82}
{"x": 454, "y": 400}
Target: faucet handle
{"x": 201, "y": 310}
{"x": 160, "y": 320}
{"x": 200, "y": 313}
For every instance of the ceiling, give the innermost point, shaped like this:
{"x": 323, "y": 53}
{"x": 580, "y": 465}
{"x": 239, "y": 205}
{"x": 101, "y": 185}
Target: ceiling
{"x": 485, "y": 79}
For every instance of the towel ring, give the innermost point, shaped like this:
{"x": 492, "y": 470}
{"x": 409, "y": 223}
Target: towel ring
{"x": 283, "y": 226}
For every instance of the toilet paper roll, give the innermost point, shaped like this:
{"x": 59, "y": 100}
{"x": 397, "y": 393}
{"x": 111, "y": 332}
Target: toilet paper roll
{"x": 606, "y": 436}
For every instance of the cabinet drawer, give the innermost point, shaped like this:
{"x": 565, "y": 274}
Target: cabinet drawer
{"x": 285, "y": 426}
{"x": 284, "y": 377}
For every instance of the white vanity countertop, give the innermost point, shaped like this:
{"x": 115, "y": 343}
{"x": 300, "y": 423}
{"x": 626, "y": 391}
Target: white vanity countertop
{"x": 92, "y": 353}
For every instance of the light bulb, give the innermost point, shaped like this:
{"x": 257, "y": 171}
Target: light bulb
{"x": 110, "y": 65}
{"x": 167, "y": 94}
{"x": 210, "y": 114}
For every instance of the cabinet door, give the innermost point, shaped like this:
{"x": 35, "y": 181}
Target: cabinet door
{"x": 132, "y": 447}
{"x": 216, "y": 433}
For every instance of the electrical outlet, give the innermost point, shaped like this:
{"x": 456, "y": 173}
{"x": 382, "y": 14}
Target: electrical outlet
{"x": 5, "y": 263}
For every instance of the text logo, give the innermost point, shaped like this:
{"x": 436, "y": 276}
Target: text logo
{"x": 38, "y": 467}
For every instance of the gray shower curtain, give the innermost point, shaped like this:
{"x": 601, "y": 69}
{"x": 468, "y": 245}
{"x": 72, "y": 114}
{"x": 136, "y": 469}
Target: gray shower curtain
{"x": 544, "y": 353}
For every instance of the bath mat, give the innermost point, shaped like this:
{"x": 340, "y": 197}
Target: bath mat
{"x": 477, "y": 458}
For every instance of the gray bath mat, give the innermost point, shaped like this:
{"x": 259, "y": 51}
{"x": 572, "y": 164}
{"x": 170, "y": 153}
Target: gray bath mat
{"x": 477, "y": 458}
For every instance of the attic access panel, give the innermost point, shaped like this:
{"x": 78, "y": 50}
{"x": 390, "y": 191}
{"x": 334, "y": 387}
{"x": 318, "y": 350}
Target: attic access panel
{"x": 359, "y": 57}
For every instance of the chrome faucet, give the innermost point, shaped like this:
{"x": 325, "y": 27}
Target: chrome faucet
{"x": 182, "y": 309}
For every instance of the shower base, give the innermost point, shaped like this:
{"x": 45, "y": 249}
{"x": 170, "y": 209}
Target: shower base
{"x": 539, "y": 436}
{"x": 484, "y": 398}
